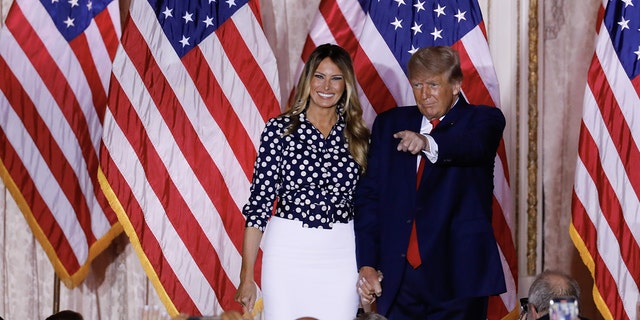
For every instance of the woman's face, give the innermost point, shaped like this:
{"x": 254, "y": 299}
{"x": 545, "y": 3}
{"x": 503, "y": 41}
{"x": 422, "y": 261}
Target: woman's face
{"x": 327, "y": 85}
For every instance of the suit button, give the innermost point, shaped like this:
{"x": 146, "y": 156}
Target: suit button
{"x": 409, "y": 221}
{"x": 403, "y": 256}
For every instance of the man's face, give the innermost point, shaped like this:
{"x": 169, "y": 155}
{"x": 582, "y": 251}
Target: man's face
{"x": 434, "y": 94}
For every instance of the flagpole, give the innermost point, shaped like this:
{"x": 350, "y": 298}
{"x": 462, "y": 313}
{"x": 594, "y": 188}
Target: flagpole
{"x": 56, "y": 293}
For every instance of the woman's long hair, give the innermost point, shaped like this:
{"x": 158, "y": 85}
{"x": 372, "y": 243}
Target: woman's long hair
{"x": 356, "y": 131}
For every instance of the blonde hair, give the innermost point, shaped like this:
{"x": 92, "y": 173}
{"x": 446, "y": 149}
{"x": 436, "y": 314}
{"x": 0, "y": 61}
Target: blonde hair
{"x": 356, "y": 131}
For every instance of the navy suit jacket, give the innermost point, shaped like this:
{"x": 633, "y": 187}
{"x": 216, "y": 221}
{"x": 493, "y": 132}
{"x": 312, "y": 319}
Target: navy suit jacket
{"x": 452, "y": 206}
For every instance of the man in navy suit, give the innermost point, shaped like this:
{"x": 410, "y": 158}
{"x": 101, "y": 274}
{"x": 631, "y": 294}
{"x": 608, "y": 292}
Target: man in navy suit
{"x": 452, "y": 265}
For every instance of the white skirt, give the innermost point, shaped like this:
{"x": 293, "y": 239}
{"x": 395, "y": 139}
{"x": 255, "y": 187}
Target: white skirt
{"x": 309, "y": 272}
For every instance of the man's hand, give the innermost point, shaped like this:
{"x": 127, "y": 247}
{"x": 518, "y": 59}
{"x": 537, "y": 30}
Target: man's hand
{"x": 369, "y": 286}
{"x": 411, "y": 141}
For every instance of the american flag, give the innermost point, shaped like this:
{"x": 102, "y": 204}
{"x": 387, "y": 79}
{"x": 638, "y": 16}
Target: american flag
{"x": 382, "y": 35}
{"x": 55, "y": 65}
{"x": 605, "y": 225}
{"x": 193, "y": 85}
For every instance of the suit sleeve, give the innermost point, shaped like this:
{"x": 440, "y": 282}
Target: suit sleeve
{"x": 476, "y": 144}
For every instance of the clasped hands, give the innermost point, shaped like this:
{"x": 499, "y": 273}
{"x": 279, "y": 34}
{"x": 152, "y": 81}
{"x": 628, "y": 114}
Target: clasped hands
{"x": 369, "y": 287}
{"x": 411, "y": 141}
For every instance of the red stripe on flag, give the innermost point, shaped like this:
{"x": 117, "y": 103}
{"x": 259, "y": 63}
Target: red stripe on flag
{"x": 603, "y": 234}
{"x": 370, "y": 81}
{"x": 496, "y": 308}
{"x": 162, "y": 269}
{"x": 255, "y": 81}
{"x": 472, "y": 85}
{"x": 80, "y": 48}
{"x": 16, "y": 96}
{"x": 45, "y": 222}
{"x": 104, "y": 23}
{"x": 43, "y": 217}
{"x": 176, "y": 209}
{"x": 604, "y": 282}
{"x": 221, "y": 110}
{"x": 70, "y": 217}
{"x": 503, "y": 236}
{"x": 616, "y": 123}
{"x": 174, "y": 116}
{"x": 610, "y": 204}
{"x": 48, "y": 146}
{"x": 62, "y": 93}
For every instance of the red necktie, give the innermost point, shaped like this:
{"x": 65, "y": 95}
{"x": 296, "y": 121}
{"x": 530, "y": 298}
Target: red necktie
{"x": 413, "y": 252}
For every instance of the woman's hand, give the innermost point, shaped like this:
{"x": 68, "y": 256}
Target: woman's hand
{"x": 246, "y": 295}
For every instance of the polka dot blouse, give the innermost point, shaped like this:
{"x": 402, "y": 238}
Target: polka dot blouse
{"x": 314, "y": 178}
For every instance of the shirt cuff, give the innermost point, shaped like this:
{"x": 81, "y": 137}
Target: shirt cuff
{"x": 432, "y": 154}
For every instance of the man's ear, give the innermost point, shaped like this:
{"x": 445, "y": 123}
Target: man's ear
{"x": 456, "y": 87}
{"x": 532, "y": 311}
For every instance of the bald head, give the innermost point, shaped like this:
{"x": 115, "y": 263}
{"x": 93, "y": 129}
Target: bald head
{"x": 549, "y": 285}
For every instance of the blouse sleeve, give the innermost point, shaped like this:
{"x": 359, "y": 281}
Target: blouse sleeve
{"x": 266, "y": 177}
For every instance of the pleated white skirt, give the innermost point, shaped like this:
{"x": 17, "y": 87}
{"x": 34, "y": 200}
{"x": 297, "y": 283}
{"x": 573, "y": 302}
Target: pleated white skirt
{"x": 308, "y": 272}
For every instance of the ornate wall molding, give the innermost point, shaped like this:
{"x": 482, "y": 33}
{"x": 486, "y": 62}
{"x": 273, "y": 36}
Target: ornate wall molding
{"x": 532, "y": 154}
{"x": 554, "y": 19}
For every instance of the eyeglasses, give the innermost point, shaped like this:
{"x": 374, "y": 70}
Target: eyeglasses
{"x": 524, "y": 307}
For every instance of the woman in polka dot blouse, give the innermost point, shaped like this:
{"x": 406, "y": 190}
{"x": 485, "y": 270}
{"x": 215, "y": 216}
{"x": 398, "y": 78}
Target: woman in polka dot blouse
{"x": 309, "y": 162}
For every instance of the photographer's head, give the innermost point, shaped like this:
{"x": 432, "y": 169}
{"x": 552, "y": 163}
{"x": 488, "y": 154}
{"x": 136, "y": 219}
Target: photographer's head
{"x": 547, "y": 286}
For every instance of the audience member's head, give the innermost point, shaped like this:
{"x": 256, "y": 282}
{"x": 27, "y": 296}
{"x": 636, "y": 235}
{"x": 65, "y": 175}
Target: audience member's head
{"x": 371, "y": 316}
{"x": 66, "y": 315}
{"x": 550, "y": 285}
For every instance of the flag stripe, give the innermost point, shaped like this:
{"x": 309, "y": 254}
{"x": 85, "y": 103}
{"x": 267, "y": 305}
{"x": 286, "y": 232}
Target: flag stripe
{"x": 375, "y": 90}
{"x": 253, "y": 77}
{"x": 13, "y": 161}
{"x": 81, "y": 49}
{"x": 154, "y": 263}
{"x": 184, "y": 228}
{"x": 616, "y": 122}
{"x": 174, "y": 116}
{"x": 602, "y": 246}
{"x": 196, "y": 103}
{"x": 620, "y": 201}
{"x": 606, "y": 200}
{"x": 108, "y": 32}
{"x": 470, "y": 88}
{"x": 482, "y": 64}
{"x": 53, "y": 96}
{"x": 600, "y": 167}
{"x": 222, "y": 111}
{"x": 50, "y": 155}
{"x": 602, "y": 277}
{"x": 613, "y": 240}
{"x": 69, "y": 178}
{"x": 20, "y": 176}
{"x": 40, "y": 213}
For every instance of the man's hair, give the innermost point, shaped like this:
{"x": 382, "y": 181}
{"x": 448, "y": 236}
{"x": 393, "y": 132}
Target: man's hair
{"x": 66, "y": 315}
{"x": 434, "y": 61}
{"x": 549, "y": 285}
